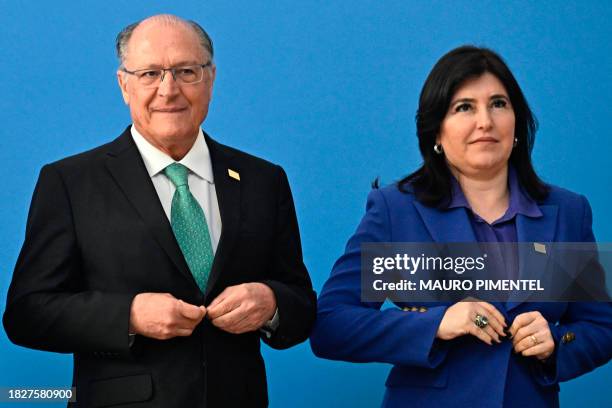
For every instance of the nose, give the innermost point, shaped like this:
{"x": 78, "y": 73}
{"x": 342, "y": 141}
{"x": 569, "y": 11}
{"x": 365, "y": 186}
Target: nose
{"x": 167, "y": 83}
{"x": 484, "y": 120}
{"x": 165, "y": 71}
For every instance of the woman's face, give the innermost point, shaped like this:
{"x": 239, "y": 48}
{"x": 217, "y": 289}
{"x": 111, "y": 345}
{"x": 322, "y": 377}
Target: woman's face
{"x": 477, "y": 134}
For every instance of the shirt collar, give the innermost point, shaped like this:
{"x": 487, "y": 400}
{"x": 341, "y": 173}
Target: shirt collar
{"x": 520, "y": 201}
{"x": 197, "y": 160}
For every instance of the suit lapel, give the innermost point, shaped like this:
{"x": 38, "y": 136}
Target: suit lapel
{"x": 228, "y": 197}
{"x": 447, "y": 226}
{"x": 450, "y": 226}
{"x": 129, "y": 172}
{"x": 530, "y": 230}
{"x": 541, "y": 229}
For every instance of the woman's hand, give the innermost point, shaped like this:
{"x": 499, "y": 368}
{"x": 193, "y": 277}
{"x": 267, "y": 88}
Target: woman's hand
{"x": 459, "y": 320}
{"x": 531, "y": 335}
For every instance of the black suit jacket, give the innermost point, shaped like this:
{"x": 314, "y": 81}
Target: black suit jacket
{"x": 97, "y": 235}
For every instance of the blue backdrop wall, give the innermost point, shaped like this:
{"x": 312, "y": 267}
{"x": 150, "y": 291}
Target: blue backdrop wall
{"x": 327, "y": 89}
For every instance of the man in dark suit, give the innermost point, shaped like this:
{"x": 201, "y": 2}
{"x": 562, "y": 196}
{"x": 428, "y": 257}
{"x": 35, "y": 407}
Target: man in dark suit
{"x": 160, "y": 259}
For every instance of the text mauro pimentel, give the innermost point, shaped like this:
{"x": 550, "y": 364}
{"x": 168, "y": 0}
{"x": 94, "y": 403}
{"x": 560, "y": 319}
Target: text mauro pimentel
{"x": 411, "y": 265}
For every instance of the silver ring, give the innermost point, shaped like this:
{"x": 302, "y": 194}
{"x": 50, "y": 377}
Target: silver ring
{"x": 481, "y": 321}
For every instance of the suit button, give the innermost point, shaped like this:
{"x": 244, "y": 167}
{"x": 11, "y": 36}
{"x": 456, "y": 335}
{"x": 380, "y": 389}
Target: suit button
{"x": 406, "y": 309}
{"x": 422, "y": 309}
{"x": 568, "y": 337}
{"x": 414, "y": 309}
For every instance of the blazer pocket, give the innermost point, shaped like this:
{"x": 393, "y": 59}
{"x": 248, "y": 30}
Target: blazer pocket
{"x": 403, "y": 376}
{"x": 121, "y": 390}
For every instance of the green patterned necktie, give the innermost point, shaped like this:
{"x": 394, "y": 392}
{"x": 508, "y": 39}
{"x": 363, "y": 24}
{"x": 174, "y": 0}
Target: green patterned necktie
{"x": 189, "y": 226}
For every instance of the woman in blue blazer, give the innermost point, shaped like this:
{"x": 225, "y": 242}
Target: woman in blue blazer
{"x": 476, "y": 184}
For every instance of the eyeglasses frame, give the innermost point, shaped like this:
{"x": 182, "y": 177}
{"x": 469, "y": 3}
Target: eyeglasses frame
{"x": 172, "y": 70}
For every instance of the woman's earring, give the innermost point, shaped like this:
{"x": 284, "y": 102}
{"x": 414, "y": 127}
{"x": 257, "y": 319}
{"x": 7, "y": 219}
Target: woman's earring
{"x": 515, "y": 142}
{"x": 438, "y": 148}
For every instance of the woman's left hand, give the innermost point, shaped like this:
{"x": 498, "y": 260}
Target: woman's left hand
{"x": 531, "y": 335}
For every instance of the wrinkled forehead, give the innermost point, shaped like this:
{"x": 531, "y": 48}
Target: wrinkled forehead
{"x": 158, "y": 43}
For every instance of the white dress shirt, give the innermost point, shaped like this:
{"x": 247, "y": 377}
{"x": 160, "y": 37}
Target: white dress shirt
{"x": 200, "y": 179}
{"x": 201, "y": 184}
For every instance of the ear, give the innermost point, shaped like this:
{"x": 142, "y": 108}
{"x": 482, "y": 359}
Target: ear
{"x": 123, "y": 84}
{"x": 213, "y": 73}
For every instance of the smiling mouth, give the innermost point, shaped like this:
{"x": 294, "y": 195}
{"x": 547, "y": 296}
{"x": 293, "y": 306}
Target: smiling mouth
{"x": 168, "y": 110}
{"x": 485, "y": 140}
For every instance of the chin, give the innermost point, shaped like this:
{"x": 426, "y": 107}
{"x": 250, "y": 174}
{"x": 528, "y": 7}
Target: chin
{"x": 171, "y": 133}
{"x": 489, "y": 161}
{"x": 489, "y": 166}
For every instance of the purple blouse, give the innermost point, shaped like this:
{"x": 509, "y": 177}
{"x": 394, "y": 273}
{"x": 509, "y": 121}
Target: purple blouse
{"x": 504, "y": 228}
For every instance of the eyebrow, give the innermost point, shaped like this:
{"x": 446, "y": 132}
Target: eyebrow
{"x": 496, "y": 96}
{"x": 178, "y": 64}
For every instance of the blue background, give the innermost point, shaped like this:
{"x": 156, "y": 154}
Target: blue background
{"x": 327, "y": 89}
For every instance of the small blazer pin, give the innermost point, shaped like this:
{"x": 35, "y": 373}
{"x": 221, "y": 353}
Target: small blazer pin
{"x": 233, "y": 174}
{"x": 541, "y": 248}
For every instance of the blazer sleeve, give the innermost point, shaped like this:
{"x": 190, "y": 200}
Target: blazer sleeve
{"x": 351, "y": 330}
{"x": 583, "y": 336}
{"x": 289, "y": 280}
{"x": 48, "y": 305}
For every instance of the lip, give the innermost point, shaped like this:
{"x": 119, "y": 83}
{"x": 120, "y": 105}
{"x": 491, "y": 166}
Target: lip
{"x": 484, "y": 140}
{"x": 168, "y": 110}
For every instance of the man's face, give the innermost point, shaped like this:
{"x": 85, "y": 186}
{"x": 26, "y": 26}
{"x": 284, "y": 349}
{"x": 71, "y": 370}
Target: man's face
{"x": 171, "y": 113}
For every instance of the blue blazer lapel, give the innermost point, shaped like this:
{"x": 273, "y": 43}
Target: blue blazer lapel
{"x": 530, "y": 230}
{"x": 446, "y": 226}
{"x": 541, "y": 229}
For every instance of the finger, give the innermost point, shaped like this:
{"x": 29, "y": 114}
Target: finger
{"x": 492, "y": 333}
{"x": 229, "y": 320}
{"x": 493, "y": 312}
{"x": 229, "y": 292}
{"x": 522, "y": 320}
{"x": 190, "y": 311}
{"x": 185, "y": 323}
{"x": 166, "y": 334}
{"x": 494, "y": 323}
{"x": 182, "y": 332}
{"x": 481, "y": 334}
{"x": 236, "y": 327}
{"x": 221, "y": 297}
{"x": 222, "y": 308}
{"x": 244, "y": 326}
{"x": 524, "y": 336}
{"x": 537, "y": 326}
{"x": 525, "y": 343}
{"x": 541, "y": 350}
{"x": 521, "y": 334}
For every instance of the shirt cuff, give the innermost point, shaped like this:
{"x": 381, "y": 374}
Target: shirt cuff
{"x": 271, "y": 325}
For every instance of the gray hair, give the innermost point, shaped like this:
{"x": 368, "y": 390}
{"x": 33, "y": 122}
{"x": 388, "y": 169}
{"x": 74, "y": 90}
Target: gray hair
{"x": 123, "y": 38}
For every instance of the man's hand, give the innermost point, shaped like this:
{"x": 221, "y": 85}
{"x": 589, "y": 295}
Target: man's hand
{"x": 242, "y": 308}
{"x": 531, "y": 335}
{"x": 162, "y": 316}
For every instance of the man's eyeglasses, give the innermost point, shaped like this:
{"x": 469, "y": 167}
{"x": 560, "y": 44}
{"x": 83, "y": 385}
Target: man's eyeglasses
{"x": 188, "y": 74}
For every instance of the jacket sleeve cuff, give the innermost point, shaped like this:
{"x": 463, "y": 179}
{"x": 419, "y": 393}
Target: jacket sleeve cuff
{"x": 545, "y": 372}
{"x": 438, "y": 349}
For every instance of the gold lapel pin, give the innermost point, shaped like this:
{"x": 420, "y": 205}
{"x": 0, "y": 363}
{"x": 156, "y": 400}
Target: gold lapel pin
{"x": 233, "y": 174}
{"x": 541, "y": 248}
